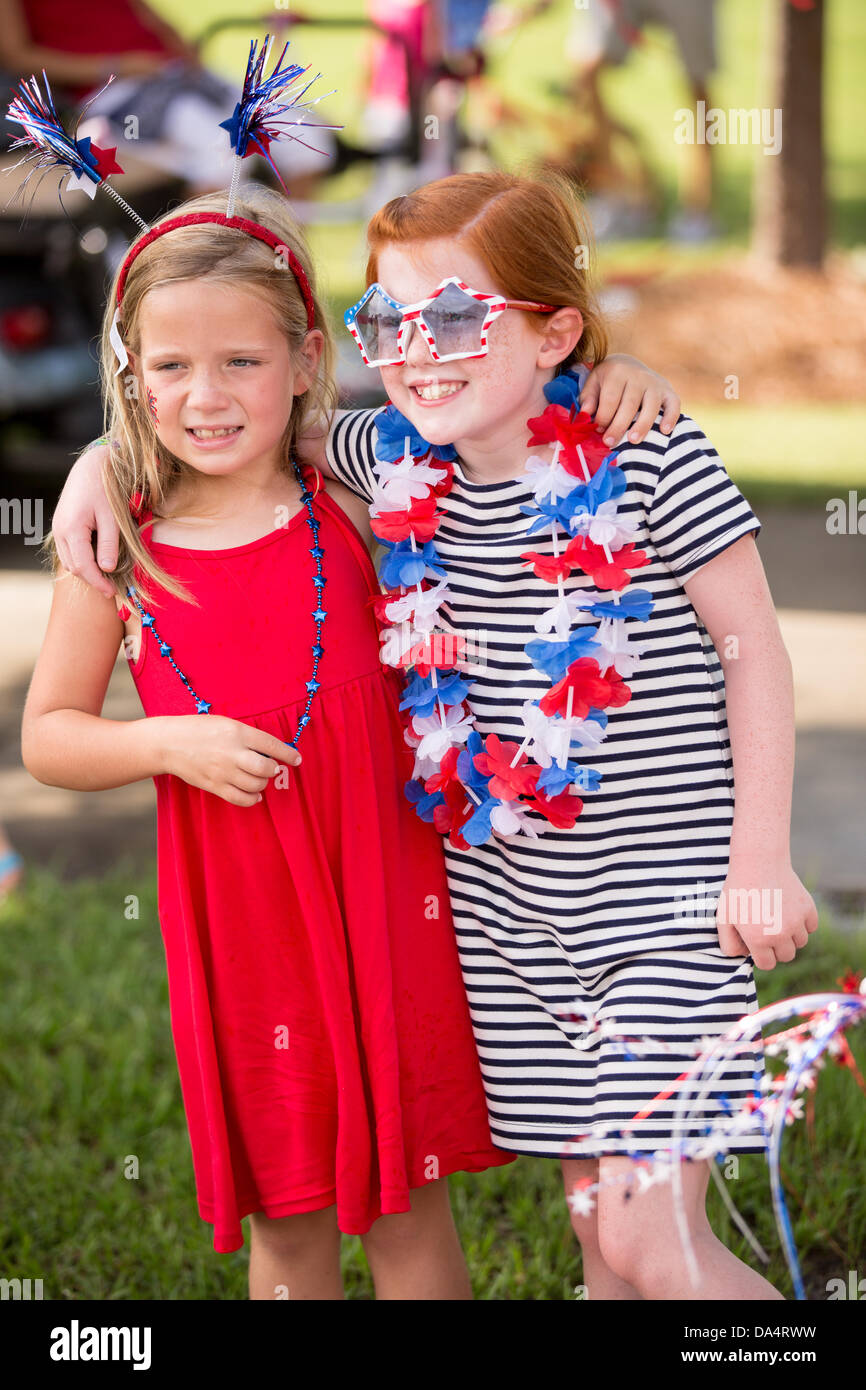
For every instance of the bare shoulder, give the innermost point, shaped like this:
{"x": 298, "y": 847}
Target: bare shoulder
{"x": 355, "y": 507}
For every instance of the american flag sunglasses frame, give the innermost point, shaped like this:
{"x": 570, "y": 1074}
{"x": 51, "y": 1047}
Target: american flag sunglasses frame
{"x": 414, "y": 313}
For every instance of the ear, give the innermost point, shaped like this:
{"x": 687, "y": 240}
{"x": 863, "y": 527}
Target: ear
{"x": 307, "y": 361}
{"x": 561, "y": 335}
{"x": 133, "y": 368}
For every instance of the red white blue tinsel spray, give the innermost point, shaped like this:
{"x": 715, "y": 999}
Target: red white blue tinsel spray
{"x": 776, "y": 1103}
{"x": 267, "y": 106}
{"x": 50, "y": 146}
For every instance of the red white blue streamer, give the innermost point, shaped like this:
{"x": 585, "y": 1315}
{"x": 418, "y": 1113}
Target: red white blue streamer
{"x": 50, "y": 146}
{"x": 270, "y": 108}
{"x": 776, "y": 1103}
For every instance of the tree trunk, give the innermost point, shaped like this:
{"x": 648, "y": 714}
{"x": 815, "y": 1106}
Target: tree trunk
{"x": 790, "y": 220}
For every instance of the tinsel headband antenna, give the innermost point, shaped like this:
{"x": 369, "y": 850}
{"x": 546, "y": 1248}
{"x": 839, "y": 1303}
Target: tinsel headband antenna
{"x": 89, "y": 166}
{"x": 260, "y": 117}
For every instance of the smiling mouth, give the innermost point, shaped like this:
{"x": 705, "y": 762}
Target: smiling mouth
{"x": 221, "y": 433}
{"x": 436, "y": 390}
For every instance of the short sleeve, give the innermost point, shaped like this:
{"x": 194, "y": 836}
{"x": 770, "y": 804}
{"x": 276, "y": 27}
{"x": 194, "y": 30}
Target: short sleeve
{"x": 349, "y": 451}
{"x": 697, "y": 510}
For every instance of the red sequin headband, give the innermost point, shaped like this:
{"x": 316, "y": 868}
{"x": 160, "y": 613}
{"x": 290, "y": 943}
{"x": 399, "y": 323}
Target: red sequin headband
{"x": 241, "y": 224}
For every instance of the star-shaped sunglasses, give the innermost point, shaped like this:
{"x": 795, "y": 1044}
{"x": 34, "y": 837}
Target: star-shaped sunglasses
{"x": 454, "y": 321}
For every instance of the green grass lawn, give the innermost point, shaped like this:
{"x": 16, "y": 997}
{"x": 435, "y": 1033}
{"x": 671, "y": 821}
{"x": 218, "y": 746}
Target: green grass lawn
{"x": 89, "y": 1080}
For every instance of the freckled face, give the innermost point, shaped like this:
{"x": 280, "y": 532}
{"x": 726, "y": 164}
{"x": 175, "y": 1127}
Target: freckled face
{"x": 213, "y": 356}
{"x": 498, "y": 391}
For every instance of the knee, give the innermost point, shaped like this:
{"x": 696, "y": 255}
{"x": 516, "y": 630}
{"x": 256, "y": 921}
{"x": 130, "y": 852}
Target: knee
{"x": 622, "y": 1246}
{"x": 295, "y": 1236}
{"x": 428, "y": 1219}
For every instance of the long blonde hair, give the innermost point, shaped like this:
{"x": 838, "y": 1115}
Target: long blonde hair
{"x": 139, "y": 463}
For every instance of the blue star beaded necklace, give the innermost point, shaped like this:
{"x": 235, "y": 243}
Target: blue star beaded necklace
{"x": 319, "y": 616}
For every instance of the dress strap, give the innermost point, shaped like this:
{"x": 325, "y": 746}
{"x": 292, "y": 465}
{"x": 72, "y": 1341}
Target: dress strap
{"x": 312, "y": 477}
{"x": 354, "y": 539}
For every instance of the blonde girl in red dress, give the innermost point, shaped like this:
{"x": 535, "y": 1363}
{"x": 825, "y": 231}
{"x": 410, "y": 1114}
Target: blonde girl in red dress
{"x": 324, "y": 1048}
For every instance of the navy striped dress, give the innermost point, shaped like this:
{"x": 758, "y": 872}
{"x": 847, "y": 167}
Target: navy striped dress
{"x": 614, "y": 916}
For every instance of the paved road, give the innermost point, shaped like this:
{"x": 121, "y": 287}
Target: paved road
{"x": 819, "y": 586}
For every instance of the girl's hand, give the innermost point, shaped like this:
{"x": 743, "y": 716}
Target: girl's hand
{"x": 82, "y": 509}
{"x": 619, "y": 389}
{"x": 223, "y": 756}
{"x": 764, "y": 912}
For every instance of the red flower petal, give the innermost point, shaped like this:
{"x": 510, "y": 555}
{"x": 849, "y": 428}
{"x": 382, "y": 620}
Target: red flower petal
{"x": 506, "y": 782}
{"x": 562, "y": 810}
{"x": 420, "y": 520}
{"x": 549, "y": 567}
{"x": 590, "y": 688}
{"x": 605, "y": 574}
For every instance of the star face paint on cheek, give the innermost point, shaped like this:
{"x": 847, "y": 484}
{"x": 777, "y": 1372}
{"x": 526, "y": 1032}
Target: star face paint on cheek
{"x": 151, "y": 405}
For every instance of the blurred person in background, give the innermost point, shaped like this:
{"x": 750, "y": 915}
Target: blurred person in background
{"x": 441, "y": 41}
{"x": 608, "y": 158}
{"x": 604, "y": 36}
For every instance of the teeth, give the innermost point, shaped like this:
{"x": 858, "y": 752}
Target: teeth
{"x": 438, "y": 389}
{"x": 214, "y": 434}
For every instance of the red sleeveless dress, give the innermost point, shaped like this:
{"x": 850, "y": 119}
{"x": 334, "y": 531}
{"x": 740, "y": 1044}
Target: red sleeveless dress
{"x": 318, "y": 1013}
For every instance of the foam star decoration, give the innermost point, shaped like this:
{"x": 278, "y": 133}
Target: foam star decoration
{"x": 102, "y": 161}
{"x": 580, "y": 1199}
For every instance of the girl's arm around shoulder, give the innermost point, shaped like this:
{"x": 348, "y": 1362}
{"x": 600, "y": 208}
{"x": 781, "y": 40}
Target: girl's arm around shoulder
{"x": 313, "y": 444}
{"x": 64, "y": 741}
{"x": 355, "y": 507}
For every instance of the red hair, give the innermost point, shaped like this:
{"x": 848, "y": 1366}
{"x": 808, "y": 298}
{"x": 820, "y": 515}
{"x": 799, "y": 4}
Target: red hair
{"x": 532, "y": 235}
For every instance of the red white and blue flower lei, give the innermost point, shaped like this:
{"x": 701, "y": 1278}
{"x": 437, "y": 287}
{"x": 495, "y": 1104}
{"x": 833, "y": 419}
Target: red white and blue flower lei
{"x": 473, "y": 787}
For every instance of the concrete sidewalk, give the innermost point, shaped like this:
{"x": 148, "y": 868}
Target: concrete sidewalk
{"x": 819, "y": 586}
